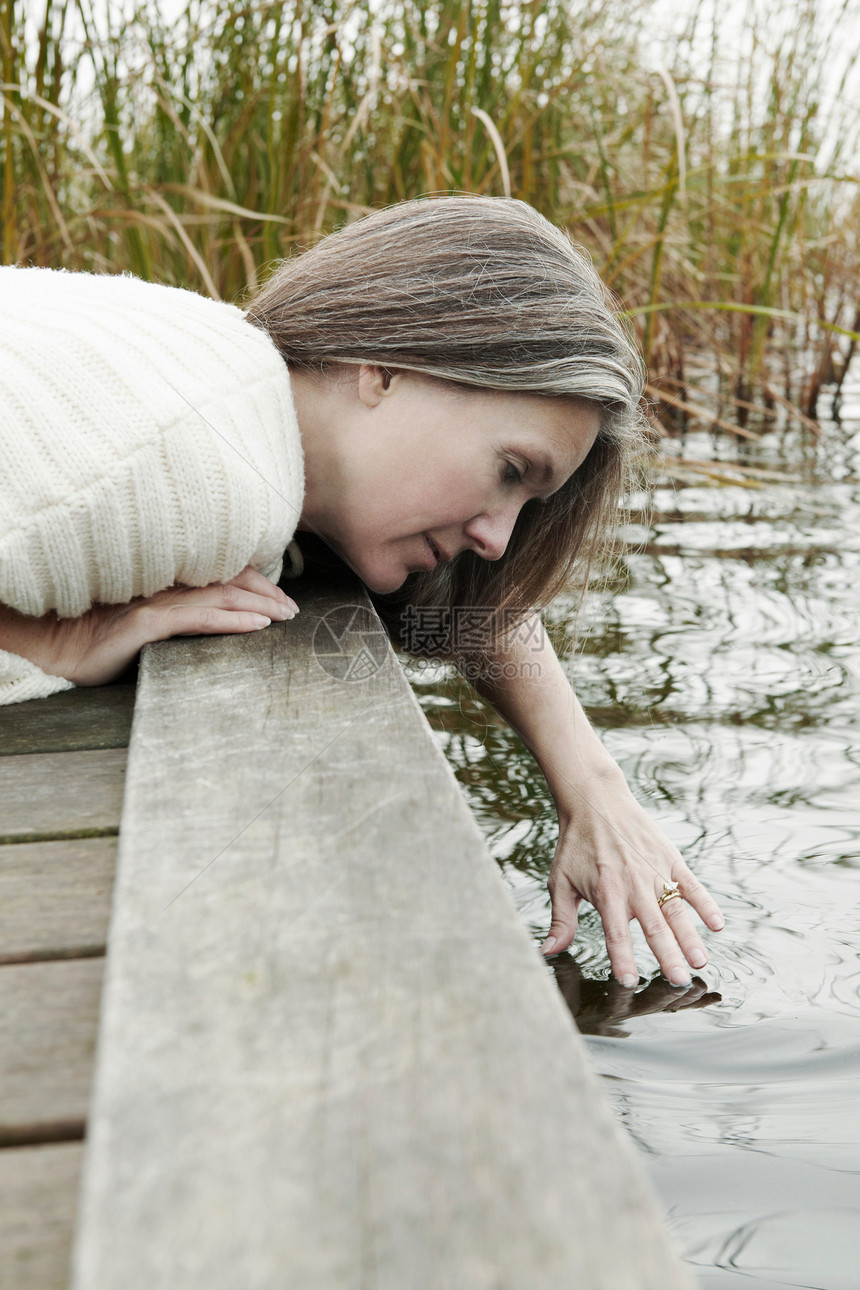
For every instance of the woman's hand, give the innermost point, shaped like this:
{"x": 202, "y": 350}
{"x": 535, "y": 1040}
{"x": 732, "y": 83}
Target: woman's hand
{"x": 98, "y": 646}
{"x": 611, "y": 853}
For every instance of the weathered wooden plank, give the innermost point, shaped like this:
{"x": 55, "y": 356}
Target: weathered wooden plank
{"x": 329, "y": 1054}
{"x": 48, "y": 1024}
{"x": 53, "y": 795}
{"x": 98, "y": 717}
{"x": 39, "y": 1190}
{"x": 55, "y": 898}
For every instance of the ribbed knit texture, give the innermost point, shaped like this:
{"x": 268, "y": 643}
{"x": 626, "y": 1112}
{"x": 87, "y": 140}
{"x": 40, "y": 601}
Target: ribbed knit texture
{"x": 147, "y": 437}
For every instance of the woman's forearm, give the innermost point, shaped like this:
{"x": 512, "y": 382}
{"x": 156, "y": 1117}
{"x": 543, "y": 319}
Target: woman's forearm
{"x": 610, "y": 852}
{"x": 526, "y": 684}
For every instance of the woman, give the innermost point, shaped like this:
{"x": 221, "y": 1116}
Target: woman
{"x": 441, "y": 391}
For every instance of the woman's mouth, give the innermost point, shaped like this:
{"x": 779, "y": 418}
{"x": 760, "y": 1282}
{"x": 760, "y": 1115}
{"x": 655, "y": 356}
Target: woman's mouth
{"x": 434, "y": 550}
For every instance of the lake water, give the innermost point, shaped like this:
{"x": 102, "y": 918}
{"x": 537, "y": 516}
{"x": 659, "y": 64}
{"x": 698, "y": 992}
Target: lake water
{"x": 725, "y": 678}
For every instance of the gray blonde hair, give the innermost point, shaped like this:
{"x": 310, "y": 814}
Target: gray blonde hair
{"x": 486, "y": 293}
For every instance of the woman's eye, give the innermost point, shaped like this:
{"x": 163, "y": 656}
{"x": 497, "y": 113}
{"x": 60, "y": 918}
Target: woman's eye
{"x": 512, "y": 475}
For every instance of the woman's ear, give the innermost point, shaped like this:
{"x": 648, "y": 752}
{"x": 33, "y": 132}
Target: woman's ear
{"x": 374, "y": 383}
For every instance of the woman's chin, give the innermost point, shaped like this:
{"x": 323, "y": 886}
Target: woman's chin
{"x": 382, "y": 584}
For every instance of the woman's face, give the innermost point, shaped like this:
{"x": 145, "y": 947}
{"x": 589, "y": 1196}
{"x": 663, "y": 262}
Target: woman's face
{"x": 409, "y": 471}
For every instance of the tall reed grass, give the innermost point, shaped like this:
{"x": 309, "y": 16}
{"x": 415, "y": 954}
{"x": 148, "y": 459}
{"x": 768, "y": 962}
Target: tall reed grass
{"x": 717, "y": 189}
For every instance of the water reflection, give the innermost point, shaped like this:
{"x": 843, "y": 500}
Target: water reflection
{"x": 603, "y": 1007}
{"x": 725, "y": 679}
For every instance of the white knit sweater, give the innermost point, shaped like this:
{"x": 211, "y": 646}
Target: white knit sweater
{"x": 147, "y": 437}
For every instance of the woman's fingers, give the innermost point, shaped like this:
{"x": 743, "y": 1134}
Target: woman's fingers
{"x": 206, "y": 620}
{"x": 679, "y": 923}
{"x": 250, "y": 579}
{"x": 245, "y": 604}
{"x": 249, "y": 590}
{"x": 565, "y": 904}
{"x": 701, "y": 900}
{"x": 221, "y": 609}
{"x": 214, "y": 607}
{"x": 619, "y": 945}
{"x": 661, "y": 942}
{"x": 668, "y": 929}
{"x": 664, "y": 944}
{"x": 95, "y": 648}
{"x": 671, "y": 936}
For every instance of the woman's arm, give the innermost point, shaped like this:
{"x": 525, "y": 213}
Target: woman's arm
{"x": 609, "y": 850}
{"x": 98, "y": 646}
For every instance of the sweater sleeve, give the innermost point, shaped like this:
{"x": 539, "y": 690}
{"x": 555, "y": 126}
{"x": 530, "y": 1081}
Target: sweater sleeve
{"x": 20, "y": 679}
{"x": 147, "y": 438}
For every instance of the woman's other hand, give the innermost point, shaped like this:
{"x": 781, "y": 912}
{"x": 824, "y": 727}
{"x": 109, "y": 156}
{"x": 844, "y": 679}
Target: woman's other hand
{"x": 97, "y": 647}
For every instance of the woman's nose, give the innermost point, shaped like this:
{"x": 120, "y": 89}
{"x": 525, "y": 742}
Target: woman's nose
{"x": 490, "y": 534}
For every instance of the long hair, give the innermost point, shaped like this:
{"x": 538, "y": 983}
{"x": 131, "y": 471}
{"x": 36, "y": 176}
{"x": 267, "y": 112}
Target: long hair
{"x": 486, "y": 293}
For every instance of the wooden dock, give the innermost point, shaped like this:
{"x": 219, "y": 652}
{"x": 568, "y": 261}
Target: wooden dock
{"x": 61, "y": 783}
{"x": 329, "y": 1055}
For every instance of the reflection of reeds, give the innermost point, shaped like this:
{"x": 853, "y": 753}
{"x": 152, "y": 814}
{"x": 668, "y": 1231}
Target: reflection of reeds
{"x": 714, "y": 194}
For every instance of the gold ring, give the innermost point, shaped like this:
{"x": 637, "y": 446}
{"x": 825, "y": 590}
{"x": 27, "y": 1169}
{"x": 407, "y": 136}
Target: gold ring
{"x": 670, "y": 891}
